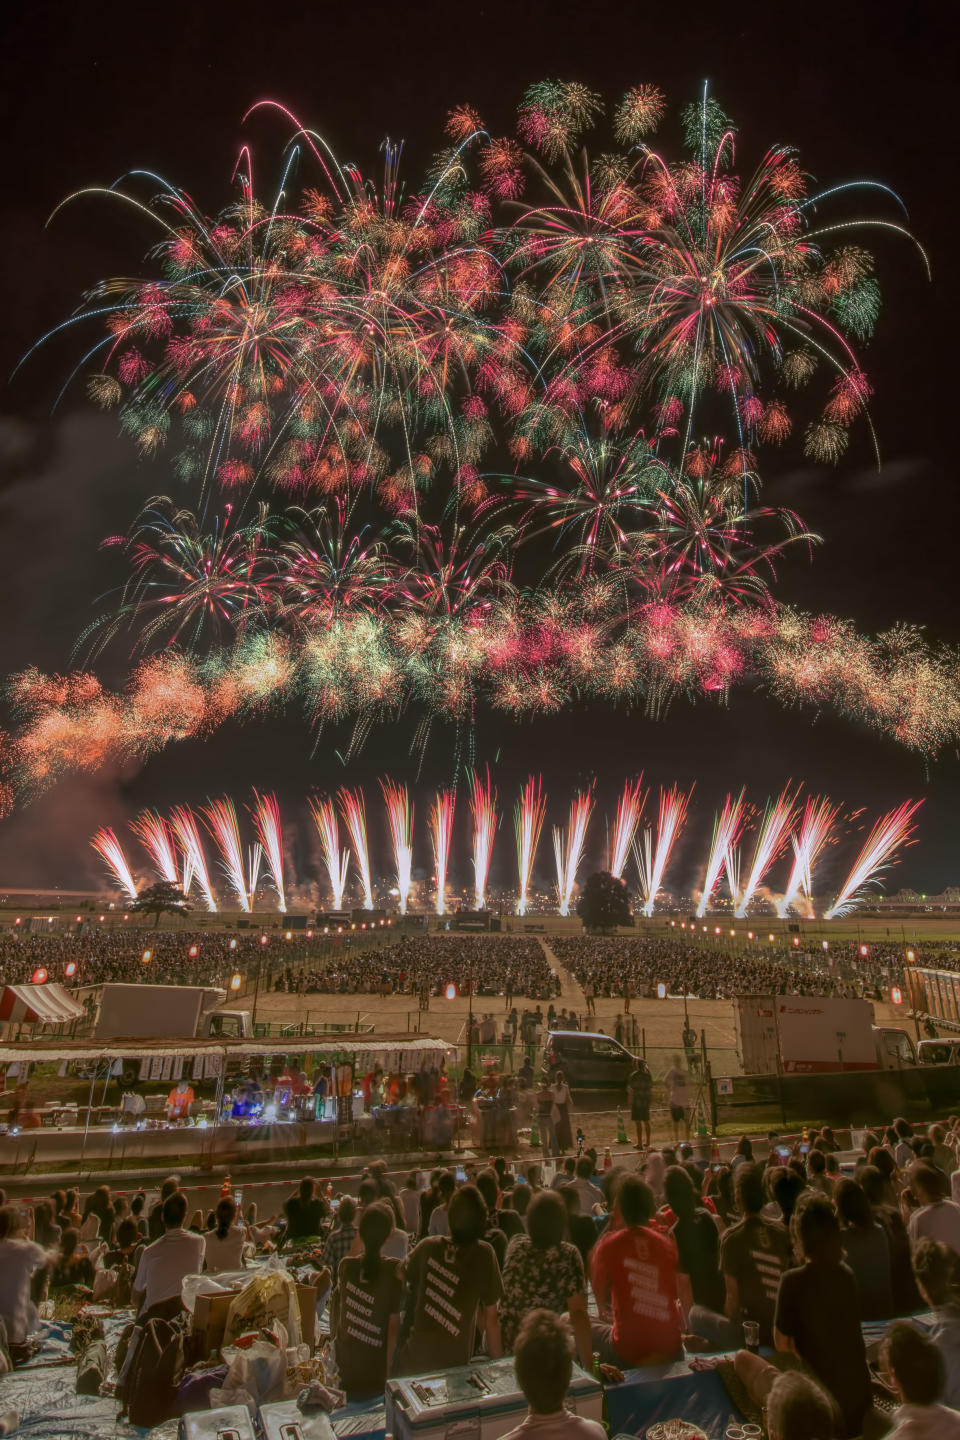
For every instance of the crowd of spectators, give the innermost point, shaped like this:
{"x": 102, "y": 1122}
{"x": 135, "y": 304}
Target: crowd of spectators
{"x": 634, "y": 1266}
{"x": 627, "y": 966}
{"x": 415, "y": 965}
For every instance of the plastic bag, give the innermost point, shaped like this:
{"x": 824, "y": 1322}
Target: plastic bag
{"x": 258, "y": 1371}
{"x": 103, "y": 1284}
{"x": 270, "y": 1295}
{"x": 193, "y": 1285}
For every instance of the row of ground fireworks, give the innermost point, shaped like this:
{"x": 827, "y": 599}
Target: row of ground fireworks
{"x": 785, "y": 828}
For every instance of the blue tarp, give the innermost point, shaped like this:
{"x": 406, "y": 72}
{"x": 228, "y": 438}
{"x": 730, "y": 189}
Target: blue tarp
{"x": 670, "y": 1392}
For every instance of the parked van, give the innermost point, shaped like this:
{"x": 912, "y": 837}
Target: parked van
{"x": 587, "y": 1060}
{"x": 939, "y": 1052}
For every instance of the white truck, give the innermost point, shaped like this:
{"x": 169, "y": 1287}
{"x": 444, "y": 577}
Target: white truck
{"x": 815, "y": 1034}
{"x": 167, "y": 1012}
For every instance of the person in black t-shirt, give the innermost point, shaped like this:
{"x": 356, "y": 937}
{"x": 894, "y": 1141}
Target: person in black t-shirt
{"x": 753, "y": 1255}
{"x": 818, "y": 1318}
{"x": 305, "y": 1211}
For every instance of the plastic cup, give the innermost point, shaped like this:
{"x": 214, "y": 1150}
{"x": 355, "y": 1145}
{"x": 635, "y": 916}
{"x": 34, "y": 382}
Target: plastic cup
{"x": 751, "y": 1334}
{"x": 751, "y": 1432}
{"x": 733, "y": 1432}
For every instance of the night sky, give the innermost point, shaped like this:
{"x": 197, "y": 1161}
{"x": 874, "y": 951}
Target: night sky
{"x": 93, "y": 91}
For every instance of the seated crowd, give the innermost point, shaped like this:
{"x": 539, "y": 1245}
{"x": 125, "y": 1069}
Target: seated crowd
{"x": 634, "y": 1266}
{"x": 614, "y": 966}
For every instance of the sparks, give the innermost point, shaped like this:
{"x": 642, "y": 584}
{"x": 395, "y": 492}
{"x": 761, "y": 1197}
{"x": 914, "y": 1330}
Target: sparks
{"x": 483, "y": 810}
{"x": 221, "y": 819}
{"x": 816, "y": 825}
{"x": 266, "y": 822}
{"x": 440, "y": 825}
{"x": 353, "y": 808}
{"x": 653, "y": 864}
{"x": 110, "y": 851}
{"x": 337, "y": 861}
{"x": 779, "y": 818}
{"x": 726, "y": 832}
{"x": 568, "y": 849}
{"x": 892, "y": 832}
{"x": 400, "y": 822}
{"x": 528, "y": 819}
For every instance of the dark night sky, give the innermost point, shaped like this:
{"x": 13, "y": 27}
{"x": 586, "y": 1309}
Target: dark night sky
{"x": 91, "y": 91}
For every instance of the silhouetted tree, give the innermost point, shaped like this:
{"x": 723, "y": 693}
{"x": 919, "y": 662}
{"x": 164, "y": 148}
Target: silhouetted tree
{"x": 605, "y": 902}
{"x": 160, "y": 899}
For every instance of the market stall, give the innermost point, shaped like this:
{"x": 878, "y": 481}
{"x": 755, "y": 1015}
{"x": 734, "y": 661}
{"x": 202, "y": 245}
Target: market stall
{"x": 222, "y": 1101}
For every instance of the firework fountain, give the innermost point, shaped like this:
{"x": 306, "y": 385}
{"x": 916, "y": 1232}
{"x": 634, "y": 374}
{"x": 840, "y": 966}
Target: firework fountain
{"x": 153, "y": 832}
{"x": 568, "y": 850}
{"x": 816, "y": 825}
{"x": 629, "y": 810}
{"x": 109, "y": 849}
{"x": 779, "y": 817}
{"x": 400, "y": 822}
{"x": 337, "y": 861}
{"x": 483, "y": 810}
{"x": 221, "y": 819}
{"x": 266, "y": 822}
{"x": 184, "y": 825}
{"x": 440, "y": 825}
{"x": 890, "y": 833}
{"x": 726, "y": 831}
{"x": 353, "y": 808}
{"x": 528, "y": 819}
{"x": 653, "y": 862}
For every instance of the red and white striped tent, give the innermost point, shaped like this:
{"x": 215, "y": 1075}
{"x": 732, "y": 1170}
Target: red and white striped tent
{"x": 47, "y": 1004}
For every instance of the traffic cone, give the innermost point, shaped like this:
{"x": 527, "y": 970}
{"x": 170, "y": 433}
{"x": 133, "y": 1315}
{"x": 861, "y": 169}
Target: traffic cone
{"x": 534, "y": 1132}
{"x": 621, "y": 1132}
{"x": 226, "y": 1189}
{"x": 607, "y": 1158}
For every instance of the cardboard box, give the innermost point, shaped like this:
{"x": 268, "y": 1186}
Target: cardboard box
{"x": 307, "y": 1305}
{"x": 210, "y": 1320}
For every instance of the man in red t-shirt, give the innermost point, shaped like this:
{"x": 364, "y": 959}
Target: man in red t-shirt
{"x": 634, "y": 1273}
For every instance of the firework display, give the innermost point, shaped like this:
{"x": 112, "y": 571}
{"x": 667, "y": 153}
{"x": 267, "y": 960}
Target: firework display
{"x": 493, "y": 435}
{"x": 779, "y": 825}
{"x": 266, "y": 822}
{"x": 726, "y": 831}
{"x": 337, "y": 861}
{"x": 528, "y": 817}
{"x": 154, "y": 834}
{"x": 773, "y": 836}
{"x": 483, "y": 811}
{"x": 353, "y": 808}
{"x": 109, "y": 849}
{"x": 221, "y": 818}
{"x": 890, "y": 833}
{"x": 400, "y": 821}
{"x": 440, "y": 825}
{"x": 568, "y": 848}
{"x": 816, "y": 825}
{"x": 183, "y": 822}
{"x": 629, "y": 809}
{"x": 653, "y": 861}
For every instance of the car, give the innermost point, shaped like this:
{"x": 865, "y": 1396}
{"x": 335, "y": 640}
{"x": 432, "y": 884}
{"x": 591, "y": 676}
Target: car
{"x": 945, "y": 1051}
{"x": 588, "y": 1061}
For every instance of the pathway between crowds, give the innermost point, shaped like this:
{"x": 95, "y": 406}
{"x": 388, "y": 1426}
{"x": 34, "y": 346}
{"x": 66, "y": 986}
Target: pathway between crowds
{"x": 571, "y": 994}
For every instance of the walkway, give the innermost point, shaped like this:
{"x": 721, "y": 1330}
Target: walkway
{"x": 570, "y": 992}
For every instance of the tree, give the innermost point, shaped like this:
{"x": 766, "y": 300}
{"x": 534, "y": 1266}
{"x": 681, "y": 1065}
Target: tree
{"x": 159, "y": 898}
{"x": 605, "y": 902}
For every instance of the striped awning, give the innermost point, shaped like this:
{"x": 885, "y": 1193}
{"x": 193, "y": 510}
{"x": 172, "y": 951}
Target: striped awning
{"x": 47, "y": 1004}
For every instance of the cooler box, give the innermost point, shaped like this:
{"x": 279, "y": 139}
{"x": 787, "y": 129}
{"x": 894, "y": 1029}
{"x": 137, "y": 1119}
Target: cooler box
{"x": 474, "y": 1402}
{"x": 229, "y": 1422}
{"x": 283, "y": 1421}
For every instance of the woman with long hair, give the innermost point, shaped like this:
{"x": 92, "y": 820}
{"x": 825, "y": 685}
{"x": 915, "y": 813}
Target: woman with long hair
{"x": 365, "y": 1309}
{"x": 224, "y": 1243}
{"x": 699, "y": 1281}
{"x": 74, "y": 1266}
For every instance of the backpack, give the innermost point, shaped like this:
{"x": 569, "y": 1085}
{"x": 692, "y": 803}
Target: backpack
{"x": 152, "y": 1370}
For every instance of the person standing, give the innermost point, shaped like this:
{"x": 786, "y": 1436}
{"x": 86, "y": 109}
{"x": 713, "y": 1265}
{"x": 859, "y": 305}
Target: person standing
{"x": 560, "y": 1113}
{"x": 639, "y": 1089}
{"x": 675, "y": 1081}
